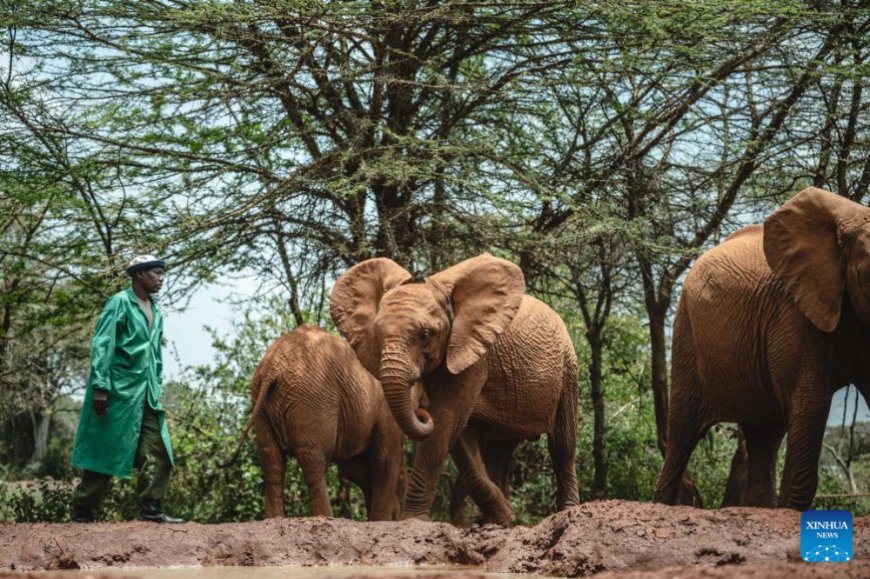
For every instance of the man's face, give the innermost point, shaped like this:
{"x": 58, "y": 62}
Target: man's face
{"x": 151, "y": 279}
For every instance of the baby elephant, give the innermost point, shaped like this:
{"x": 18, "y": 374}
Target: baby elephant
{"x": 314, "y": 400}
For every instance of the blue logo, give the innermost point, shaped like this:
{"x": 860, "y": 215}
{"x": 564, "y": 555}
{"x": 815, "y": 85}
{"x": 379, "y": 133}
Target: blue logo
{"x": 826, "y": 536}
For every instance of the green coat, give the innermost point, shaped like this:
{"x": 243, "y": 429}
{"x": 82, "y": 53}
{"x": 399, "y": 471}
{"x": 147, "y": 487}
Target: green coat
{"x": 126, "y": 360}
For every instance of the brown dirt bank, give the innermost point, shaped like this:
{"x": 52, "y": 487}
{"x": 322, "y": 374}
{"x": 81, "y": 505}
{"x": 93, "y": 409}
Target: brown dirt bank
{"x": 617, "y": 538}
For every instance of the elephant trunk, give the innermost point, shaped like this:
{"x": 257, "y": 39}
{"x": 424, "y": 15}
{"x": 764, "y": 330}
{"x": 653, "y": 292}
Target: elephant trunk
{"x": 397, "y": 379}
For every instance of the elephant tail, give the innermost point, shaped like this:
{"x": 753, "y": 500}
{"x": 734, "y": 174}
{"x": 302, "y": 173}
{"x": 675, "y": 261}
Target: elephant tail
{"x": 568, "y": 411}
{"x": 266, "y": 383}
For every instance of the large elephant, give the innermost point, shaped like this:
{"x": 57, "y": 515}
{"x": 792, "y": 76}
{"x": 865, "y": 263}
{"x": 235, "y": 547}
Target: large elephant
{"x": 495, "y": 363}
{"x": 313, "y": 400}
{"x": 769, "y": 325}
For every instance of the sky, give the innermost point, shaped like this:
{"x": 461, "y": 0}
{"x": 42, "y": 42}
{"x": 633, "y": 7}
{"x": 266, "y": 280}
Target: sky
{"x": 842, "y": 397}
{"x": 186, "y": 333}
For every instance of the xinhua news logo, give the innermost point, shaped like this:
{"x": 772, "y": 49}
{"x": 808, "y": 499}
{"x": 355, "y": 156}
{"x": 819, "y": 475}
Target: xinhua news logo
{"x": 826, "y": 536}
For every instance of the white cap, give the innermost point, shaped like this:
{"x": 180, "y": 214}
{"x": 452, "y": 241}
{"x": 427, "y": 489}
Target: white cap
{"x": 141, "y": 262}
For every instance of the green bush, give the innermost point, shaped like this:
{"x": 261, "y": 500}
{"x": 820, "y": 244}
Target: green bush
{"x": 47, "y": 500}
{"x": 209, "y": 407}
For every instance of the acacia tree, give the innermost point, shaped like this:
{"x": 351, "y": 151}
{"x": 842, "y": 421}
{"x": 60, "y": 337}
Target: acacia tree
{"x": 830, "y": 130}
{"x": 297, "y": 138}
{"x": 593, "y": 269}
{"x": 671, "y": 125}
{"x": 293, "y": 139}
{"x": 65, "y": 230}
{"x": 750, "y": 113}
{"x": 660, "y": 133}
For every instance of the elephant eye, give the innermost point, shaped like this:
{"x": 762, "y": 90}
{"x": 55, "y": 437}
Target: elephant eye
{"x": 425, "y": 336}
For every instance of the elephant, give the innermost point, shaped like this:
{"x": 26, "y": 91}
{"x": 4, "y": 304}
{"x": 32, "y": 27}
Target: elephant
{"x": 496, "y": 365}
{"x": 769, "y": 325}
{"x": 312, "y": 399}
{"x": 497, "y": 469}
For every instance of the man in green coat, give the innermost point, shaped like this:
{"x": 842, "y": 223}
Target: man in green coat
{"x": 122, "y": 423}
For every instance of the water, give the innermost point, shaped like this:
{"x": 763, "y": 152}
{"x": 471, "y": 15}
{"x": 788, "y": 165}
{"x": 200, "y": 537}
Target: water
{"x": 337, "y": 571}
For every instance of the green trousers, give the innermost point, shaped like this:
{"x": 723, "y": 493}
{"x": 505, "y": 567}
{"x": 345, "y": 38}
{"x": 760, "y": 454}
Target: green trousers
{"x": 151, "y": 459}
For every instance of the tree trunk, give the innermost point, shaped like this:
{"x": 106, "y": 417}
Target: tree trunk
{"x": 657, "y": 316}
{"x": 599, "y": 442}
{"x": 41, "y": 425}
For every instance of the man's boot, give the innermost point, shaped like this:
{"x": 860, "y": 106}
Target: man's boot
{"x": 82, "y": 514}
{"x": 152, "y": 511}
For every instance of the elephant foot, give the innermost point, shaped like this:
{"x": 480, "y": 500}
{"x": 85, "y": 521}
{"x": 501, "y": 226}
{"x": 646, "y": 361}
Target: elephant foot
{"x": 502, "y": 516}
{"x": 571, "y": 503}
{"x": 459, "y": 520}
{"x": 795, "y": 504}
{"x": 763, "y": 501}
{"x": 689, "y": 494}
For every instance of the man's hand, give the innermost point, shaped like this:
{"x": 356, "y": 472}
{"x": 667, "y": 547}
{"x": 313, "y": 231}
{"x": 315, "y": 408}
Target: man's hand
{"x": 101, "y": 402}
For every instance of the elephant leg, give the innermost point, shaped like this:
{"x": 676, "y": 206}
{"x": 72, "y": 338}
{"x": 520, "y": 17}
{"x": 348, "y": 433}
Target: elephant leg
{"x": 762, "y": 445}
{"x": 800, "y": 477}
{"x": 685, "y": 425}
{"x": 273, "y": 461}
{"x": 737, "y": 475}
{"x": 356, "y": 470}
{"x": 385, "y": 471}
{"x": 456, "y": 508}
{"x": 313, "y": 464}
{"x": 423, "y": 476}
{"x": 497, "y": 458}
{"x": 493, "y": 504}
{"x": 684, "y": 431}
{"x": 451, "y": 404}
{"x": 562, "y": 442}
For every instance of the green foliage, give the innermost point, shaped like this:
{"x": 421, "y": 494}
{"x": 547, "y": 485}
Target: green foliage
{"x": 46, "y": 500}
{"x": 208, "y": 413}
{"x": 633, "y": 458}
{"x": 845, "y": 445}
{"x": 532, "y": 482}
{"x": 711, "y": 463}
{"x": 833, "y": 483}
{"x": 15, "y": 463}
{"x": 292, "y": 139}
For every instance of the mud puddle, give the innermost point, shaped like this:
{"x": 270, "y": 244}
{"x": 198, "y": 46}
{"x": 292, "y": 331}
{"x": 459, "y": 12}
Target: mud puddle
{"x": 612, "y": 538}
{"x": 287, "y": 572}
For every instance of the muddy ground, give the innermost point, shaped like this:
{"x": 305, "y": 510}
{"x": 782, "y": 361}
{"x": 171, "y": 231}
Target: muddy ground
{"x": 608, "y": 538}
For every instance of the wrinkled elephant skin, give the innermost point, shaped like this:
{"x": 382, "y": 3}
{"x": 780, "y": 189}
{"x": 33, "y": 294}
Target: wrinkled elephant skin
{"x": 314, "y": 401}
{"x": 497, "y": 366}
{"x": 769, "y": 325}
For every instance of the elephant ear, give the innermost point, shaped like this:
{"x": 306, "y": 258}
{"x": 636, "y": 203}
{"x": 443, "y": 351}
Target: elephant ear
{"x": 354, "y": 303}
{"x": 485, "y": 293}
{"x": 803, "y": 243}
